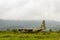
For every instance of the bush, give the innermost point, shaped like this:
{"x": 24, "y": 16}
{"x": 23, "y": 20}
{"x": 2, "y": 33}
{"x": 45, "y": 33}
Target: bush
{"x": 14, "y": 30}
{"x": 50, "y": 30}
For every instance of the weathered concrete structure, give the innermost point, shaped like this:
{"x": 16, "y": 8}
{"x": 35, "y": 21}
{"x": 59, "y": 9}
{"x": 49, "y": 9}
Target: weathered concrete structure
{"x": 42, "y": 27}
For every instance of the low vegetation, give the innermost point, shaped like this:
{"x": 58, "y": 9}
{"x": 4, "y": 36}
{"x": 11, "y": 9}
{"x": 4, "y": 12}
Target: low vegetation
{"x": 17, "y": 35}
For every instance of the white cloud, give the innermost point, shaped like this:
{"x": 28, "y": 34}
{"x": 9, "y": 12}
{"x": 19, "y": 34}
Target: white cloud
{"x": 30, "y": 9}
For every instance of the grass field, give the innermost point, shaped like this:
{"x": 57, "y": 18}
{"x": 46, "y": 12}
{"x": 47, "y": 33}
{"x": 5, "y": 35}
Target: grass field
{"x": 29, "y": 36}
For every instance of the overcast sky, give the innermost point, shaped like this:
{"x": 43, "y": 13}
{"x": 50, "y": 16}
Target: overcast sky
{"x": 30, "y": 9}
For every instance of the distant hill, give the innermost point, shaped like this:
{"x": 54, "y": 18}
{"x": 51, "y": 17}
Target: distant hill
{"x": 14, "y": 24}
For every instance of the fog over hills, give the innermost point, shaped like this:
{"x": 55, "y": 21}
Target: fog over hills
{"x": 15, "y": 24}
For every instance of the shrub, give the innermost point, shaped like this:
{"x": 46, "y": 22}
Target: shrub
{"x": 50, "y": 30}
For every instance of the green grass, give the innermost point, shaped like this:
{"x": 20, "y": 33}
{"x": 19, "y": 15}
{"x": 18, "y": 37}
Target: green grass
{"x": 29, "y": 36}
